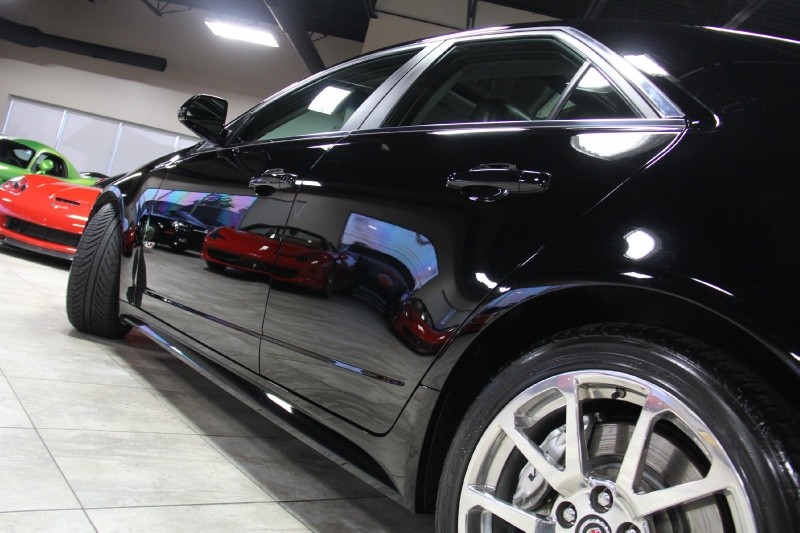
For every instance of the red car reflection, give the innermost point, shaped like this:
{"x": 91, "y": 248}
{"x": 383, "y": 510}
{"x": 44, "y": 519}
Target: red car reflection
{"x": 44, "y": 214}
{"x": 306, "y": 259}
{"x": 414, "y": 326}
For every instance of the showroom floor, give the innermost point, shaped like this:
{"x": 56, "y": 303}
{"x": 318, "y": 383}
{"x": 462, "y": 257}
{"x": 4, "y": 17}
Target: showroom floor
{"x": 100, "y": 435}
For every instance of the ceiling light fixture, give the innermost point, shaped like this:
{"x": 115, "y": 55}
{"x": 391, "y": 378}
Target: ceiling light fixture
{"x": 242, "y": 32}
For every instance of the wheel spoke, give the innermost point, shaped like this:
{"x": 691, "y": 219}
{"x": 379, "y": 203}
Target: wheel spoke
{"x": 474, "y": 497}
{"x": 576, "y": 454}
{"x": 718, "y": 480}
{"x": 633, "y": 463}
{"x": 570, "y": 479}
{"x": 533, "y": 453}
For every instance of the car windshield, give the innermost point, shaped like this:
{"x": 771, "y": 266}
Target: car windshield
{"x": 14, "y": 153}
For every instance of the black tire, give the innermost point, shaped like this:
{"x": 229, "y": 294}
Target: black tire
{"x": 93, "y": 286}
{"x": 215, "y": 267}
{"x": 722, "y": 427}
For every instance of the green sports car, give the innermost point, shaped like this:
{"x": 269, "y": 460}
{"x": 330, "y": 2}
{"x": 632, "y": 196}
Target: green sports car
{"x": 20, "y": 156}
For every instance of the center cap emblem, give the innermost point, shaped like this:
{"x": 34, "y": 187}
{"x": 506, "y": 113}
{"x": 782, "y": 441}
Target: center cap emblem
{"x": 593, "y": 524}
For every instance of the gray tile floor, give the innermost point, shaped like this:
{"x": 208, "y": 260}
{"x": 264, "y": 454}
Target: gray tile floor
{"x": 100, "y": 435}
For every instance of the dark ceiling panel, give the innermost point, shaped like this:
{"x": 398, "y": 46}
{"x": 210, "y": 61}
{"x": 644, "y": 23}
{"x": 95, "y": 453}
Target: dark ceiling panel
{"x": 348, "y": 19}
{"x": 562, "y": 9}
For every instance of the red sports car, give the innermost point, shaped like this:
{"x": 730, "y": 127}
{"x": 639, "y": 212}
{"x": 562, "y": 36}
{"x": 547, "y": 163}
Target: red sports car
{"x": 305, "y": 259}
{"x": 44, "y": 214}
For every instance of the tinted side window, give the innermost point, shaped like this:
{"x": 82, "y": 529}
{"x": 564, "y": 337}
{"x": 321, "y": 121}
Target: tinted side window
{"x": 595, "y": 97}
{"x": 324, "y": 105}
{"x": 505, "y": 80}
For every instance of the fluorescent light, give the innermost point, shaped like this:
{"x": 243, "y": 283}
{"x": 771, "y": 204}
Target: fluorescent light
{"x": 242, "y": 32}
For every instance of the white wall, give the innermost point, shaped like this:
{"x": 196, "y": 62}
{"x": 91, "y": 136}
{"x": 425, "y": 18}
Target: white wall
{"x": 197, "y": 61}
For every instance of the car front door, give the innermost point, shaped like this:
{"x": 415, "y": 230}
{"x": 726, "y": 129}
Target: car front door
{"x": 497, "y": 145}
{"x": 215, "y": 223}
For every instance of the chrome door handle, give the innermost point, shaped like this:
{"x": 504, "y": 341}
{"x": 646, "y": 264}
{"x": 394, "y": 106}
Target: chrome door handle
{"x": 275, "y": 178}
{"x": 493, "y": 181}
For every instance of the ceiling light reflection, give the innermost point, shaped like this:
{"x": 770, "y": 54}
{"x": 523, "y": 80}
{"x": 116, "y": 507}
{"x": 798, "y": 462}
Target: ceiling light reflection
{"x": 646, "y": 64}
{"x": 328, "y": 100}
{"x": 640, "y": 244}
{"x": 707, "y": 284}
{"x": 593, "y": 81}
{"x": 614, "y": 145}
{"x": 637, "y": 275}
{"x": 483, "y": 278}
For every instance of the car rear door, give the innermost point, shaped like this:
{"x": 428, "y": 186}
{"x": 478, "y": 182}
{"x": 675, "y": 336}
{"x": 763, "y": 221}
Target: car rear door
{"x": 496, "y": 145}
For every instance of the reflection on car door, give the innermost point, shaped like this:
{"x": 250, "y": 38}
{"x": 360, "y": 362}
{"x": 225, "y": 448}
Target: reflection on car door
{"x": 426, "y": 218}
{"x": 198, "y": 261}
{"x": 216, "y": 222}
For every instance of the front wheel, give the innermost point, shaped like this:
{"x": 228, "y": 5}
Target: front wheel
{"x": 93, "y": 285}
{"x": 622, "y": 429}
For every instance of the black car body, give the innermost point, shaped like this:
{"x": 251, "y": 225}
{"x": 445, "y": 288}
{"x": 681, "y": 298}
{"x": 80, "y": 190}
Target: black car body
{"x": 605, "y": 210}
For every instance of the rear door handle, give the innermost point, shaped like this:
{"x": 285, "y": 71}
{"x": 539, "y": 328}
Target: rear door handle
{"x": 493, "y": 181}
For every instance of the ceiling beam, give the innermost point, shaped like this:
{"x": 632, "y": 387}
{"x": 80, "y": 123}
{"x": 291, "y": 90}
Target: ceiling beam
{"x": 472, "y": 13}
{"x": 290, "y": 21}
{"x": 746, "y": 12}
{"x": 369, "y": 7}
{"x": 34, "y": 38}
{"x": 160, "y": 7}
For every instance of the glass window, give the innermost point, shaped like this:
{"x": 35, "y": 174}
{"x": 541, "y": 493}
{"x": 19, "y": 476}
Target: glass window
{"x": 324, "y": 105}
{"x": 13, "y": 153}
{"x": 595, "y": 97}
{"x": 500, "y": 81}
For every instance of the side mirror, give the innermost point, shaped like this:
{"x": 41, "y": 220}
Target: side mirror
{"x": 45, "y": 166}
{"x": 205, "y": 115}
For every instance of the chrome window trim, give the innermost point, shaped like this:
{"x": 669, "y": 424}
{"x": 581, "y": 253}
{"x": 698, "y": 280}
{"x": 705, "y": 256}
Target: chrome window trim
{"x": 384, "y": 88}
{"x": 662, "y": 104}
{"x": 653, "y": 125}
{"x": 640, "y": 93}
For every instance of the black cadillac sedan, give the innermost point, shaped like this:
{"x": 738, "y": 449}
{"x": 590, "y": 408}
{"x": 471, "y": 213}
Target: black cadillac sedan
{"x": 601, "y": 224}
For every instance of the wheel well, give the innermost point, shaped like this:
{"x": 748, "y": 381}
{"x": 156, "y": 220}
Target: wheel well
{"x": 504, "y": 341}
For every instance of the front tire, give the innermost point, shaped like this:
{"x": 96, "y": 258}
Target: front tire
{"x": 93, "y": 285}
{"x": 621, "y": 428}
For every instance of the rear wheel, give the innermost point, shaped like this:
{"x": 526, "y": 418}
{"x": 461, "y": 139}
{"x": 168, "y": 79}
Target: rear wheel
{"x": 93, "y": 285}
{"x": 621, "y": 429}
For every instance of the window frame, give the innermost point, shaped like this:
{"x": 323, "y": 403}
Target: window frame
{"x": 237, "y": 124}
{"x": 640, "y": 93}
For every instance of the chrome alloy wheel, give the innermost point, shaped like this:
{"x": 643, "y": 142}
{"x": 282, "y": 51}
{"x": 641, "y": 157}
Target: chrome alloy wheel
{"x": 601, "y": 452}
